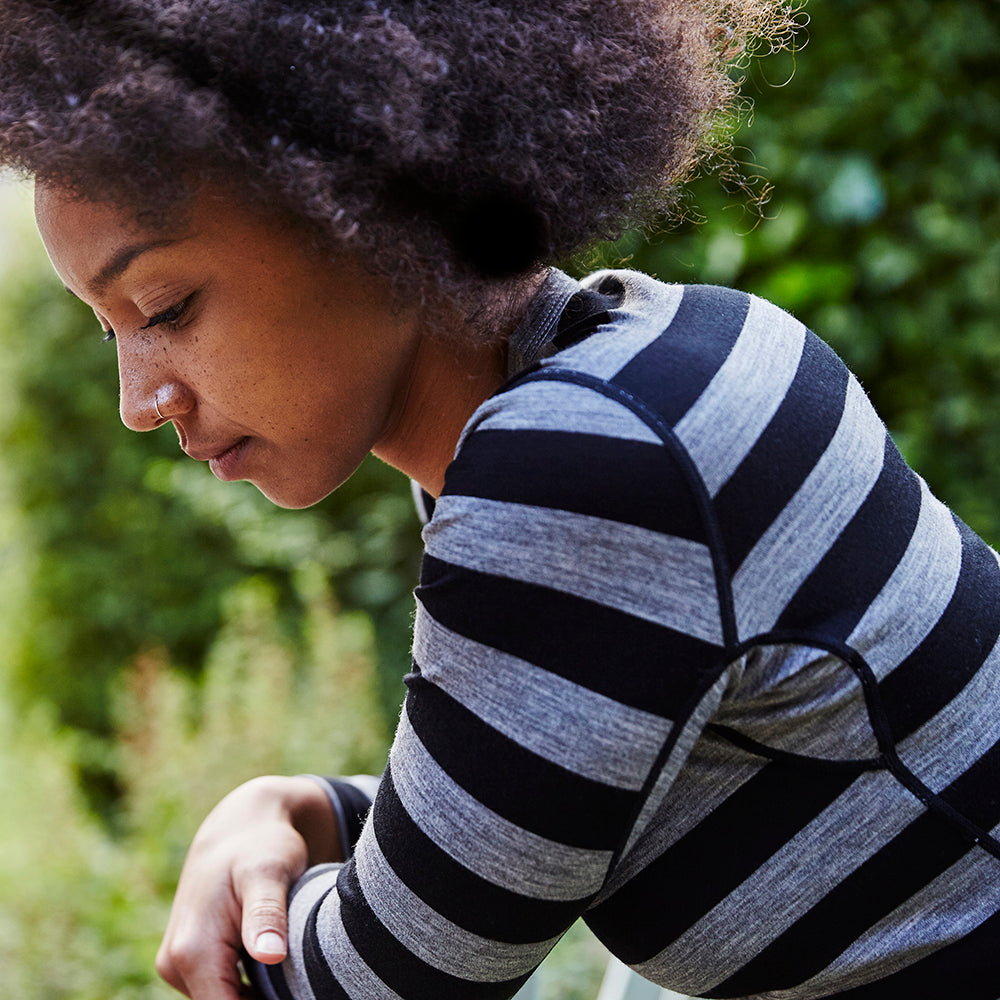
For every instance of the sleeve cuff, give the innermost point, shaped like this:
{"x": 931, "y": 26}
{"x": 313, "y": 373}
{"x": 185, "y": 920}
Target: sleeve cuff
{"x": 351, "y": 799}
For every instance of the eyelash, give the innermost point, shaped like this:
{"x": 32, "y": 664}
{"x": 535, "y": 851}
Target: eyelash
{"x": 169, "y": 319}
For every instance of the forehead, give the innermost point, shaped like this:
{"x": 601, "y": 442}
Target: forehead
{"x": 60, "y": 212}
{"x": 80, "y": 235}
{"x": 90, "y": 243}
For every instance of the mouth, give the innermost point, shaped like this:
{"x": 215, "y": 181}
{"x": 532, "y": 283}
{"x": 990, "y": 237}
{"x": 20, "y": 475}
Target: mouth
{"x": 226, "y": 464}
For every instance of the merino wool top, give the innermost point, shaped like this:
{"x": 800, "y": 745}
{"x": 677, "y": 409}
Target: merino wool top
{"x": 697, "y": 658}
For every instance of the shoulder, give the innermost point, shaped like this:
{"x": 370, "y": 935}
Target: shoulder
{"x": 685, "y": 405}
{"x": 662, "y": 347}
{"x": 698, "y": 367}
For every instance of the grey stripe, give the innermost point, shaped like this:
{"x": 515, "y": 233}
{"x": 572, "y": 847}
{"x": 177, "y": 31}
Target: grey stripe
{"x": 715, "y": 771}
{"x": 804, "y": 701}
{"x": 559, "y": 406}
{"x": 957, "y": 736}
{"x": 657, "y": 577}
{"x": 358, "y": 981}
{"x": 483, "y": 841}
{"x": 679, "y": 754}
{"x": 915, "y": 596}
{"x": 307, "y": 892}
{"x": 439, "y": 942}
{"x": 758, "y": 372}
{"x": 650, "y": 309}
{"x": 578, "y": 729}
{"x": 856, "y": 826}
{"x": 804, "y": 531}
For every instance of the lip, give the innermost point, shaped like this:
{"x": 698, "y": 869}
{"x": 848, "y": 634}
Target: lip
{"x": 226, "y": 464}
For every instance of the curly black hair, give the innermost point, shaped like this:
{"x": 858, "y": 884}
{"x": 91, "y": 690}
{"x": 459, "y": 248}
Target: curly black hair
{"x": 451, "y": 144}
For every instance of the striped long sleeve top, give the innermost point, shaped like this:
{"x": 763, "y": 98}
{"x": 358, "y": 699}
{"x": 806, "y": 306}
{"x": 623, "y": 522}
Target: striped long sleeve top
{"x": 697, "y": 658}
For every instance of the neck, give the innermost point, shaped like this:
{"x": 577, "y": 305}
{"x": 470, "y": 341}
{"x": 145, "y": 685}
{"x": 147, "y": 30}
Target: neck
{"x": 450, "y": 379}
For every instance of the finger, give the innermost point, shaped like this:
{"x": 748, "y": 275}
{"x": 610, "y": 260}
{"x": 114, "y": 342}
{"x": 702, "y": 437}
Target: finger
{"x": 198, "y": 975}
{"x": 265, "y": 920}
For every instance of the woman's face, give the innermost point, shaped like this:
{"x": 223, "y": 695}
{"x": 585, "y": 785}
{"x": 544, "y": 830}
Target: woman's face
{"x": 275, "y": 363}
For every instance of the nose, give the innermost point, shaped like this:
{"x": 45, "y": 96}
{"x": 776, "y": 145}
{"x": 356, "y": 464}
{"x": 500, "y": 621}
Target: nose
{"x": 151, "y": 394}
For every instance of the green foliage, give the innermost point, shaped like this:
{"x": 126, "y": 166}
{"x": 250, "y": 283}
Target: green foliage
{"x": 265, "y": 705}
{"x": 880, "y": 140}
{"x": 71, "y": 902}
{"x": 81, "y": 910}
{"x": 108, "y": 565}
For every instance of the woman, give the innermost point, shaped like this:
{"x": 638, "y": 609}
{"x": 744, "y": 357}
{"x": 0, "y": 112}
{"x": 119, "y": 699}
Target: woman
{"x": 696, "y": 656}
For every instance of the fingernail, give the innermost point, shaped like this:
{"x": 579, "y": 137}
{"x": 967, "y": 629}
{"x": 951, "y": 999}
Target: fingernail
{"x": 270, "y": 943}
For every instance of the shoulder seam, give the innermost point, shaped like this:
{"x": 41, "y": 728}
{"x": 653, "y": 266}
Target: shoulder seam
{"x": 656, "y": 423}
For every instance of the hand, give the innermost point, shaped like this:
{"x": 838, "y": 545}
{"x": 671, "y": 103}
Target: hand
{"x": 234, "y": 885}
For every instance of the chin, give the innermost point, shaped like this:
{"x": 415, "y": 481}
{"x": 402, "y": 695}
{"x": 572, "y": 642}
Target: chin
{"x": 294, "y": 497}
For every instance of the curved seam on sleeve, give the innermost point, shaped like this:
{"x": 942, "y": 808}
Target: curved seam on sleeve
{"x": 779, "y": 756}
{"x": 883, "y": 734}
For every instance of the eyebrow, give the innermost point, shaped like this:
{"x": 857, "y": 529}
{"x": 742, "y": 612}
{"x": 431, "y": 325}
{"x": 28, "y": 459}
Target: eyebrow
{"x": 120, "y": 263}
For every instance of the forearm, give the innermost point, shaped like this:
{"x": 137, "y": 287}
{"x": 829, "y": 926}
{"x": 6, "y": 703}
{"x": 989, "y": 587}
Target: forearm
{"x": 444, "y": 896}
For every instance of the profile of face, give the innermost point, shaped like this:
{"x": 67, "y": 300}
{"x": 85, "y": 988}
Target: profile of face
{"x": 275, "y": 363}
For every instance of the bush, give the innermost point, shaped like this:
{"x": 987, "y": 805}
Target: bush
{"x": 82, "y": 907}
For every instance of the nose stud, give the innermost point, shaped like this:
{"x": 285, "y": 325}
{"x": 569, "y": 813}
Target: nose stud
{"x": 156, "y": 405}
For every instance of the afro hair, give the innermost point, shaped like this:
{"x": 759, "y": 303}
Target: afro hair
{"x": 451, "y": 144}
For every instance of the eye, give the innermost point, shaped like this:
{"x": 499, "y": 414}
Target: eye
{"x": 169, "y": 318}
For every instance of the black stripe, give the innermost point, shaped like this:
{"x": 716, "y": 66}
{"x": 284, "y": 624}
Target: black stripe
{"x": 586, "y": 311}
{"x": 321, "y": 980}
{"x": 948, "y": 658}
{"x": 673, "y": 371}
{"x": 632, "y": 660}
{"x": 968, "y": 969}
{"x": 459, "y": 895}
{"x": 632, "y": 482}
{"x": 786, "y": 453}
{"x": 712, "y": 859}
{"x": 976, "y": 792}
{"x": 836, "y": 595}
{"x": 524, "y": 788}
{"x": 257, "y": 972}
{"x": 398, "y": 968}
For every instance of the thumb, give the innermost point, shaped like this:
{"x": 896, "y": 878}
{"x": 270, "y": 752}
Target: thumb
{"x": 265, "y": 921}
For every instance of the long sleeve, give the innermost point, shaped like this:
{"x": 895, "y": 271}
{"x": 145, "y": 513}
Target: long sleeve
{"x": 562, "y": 560}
